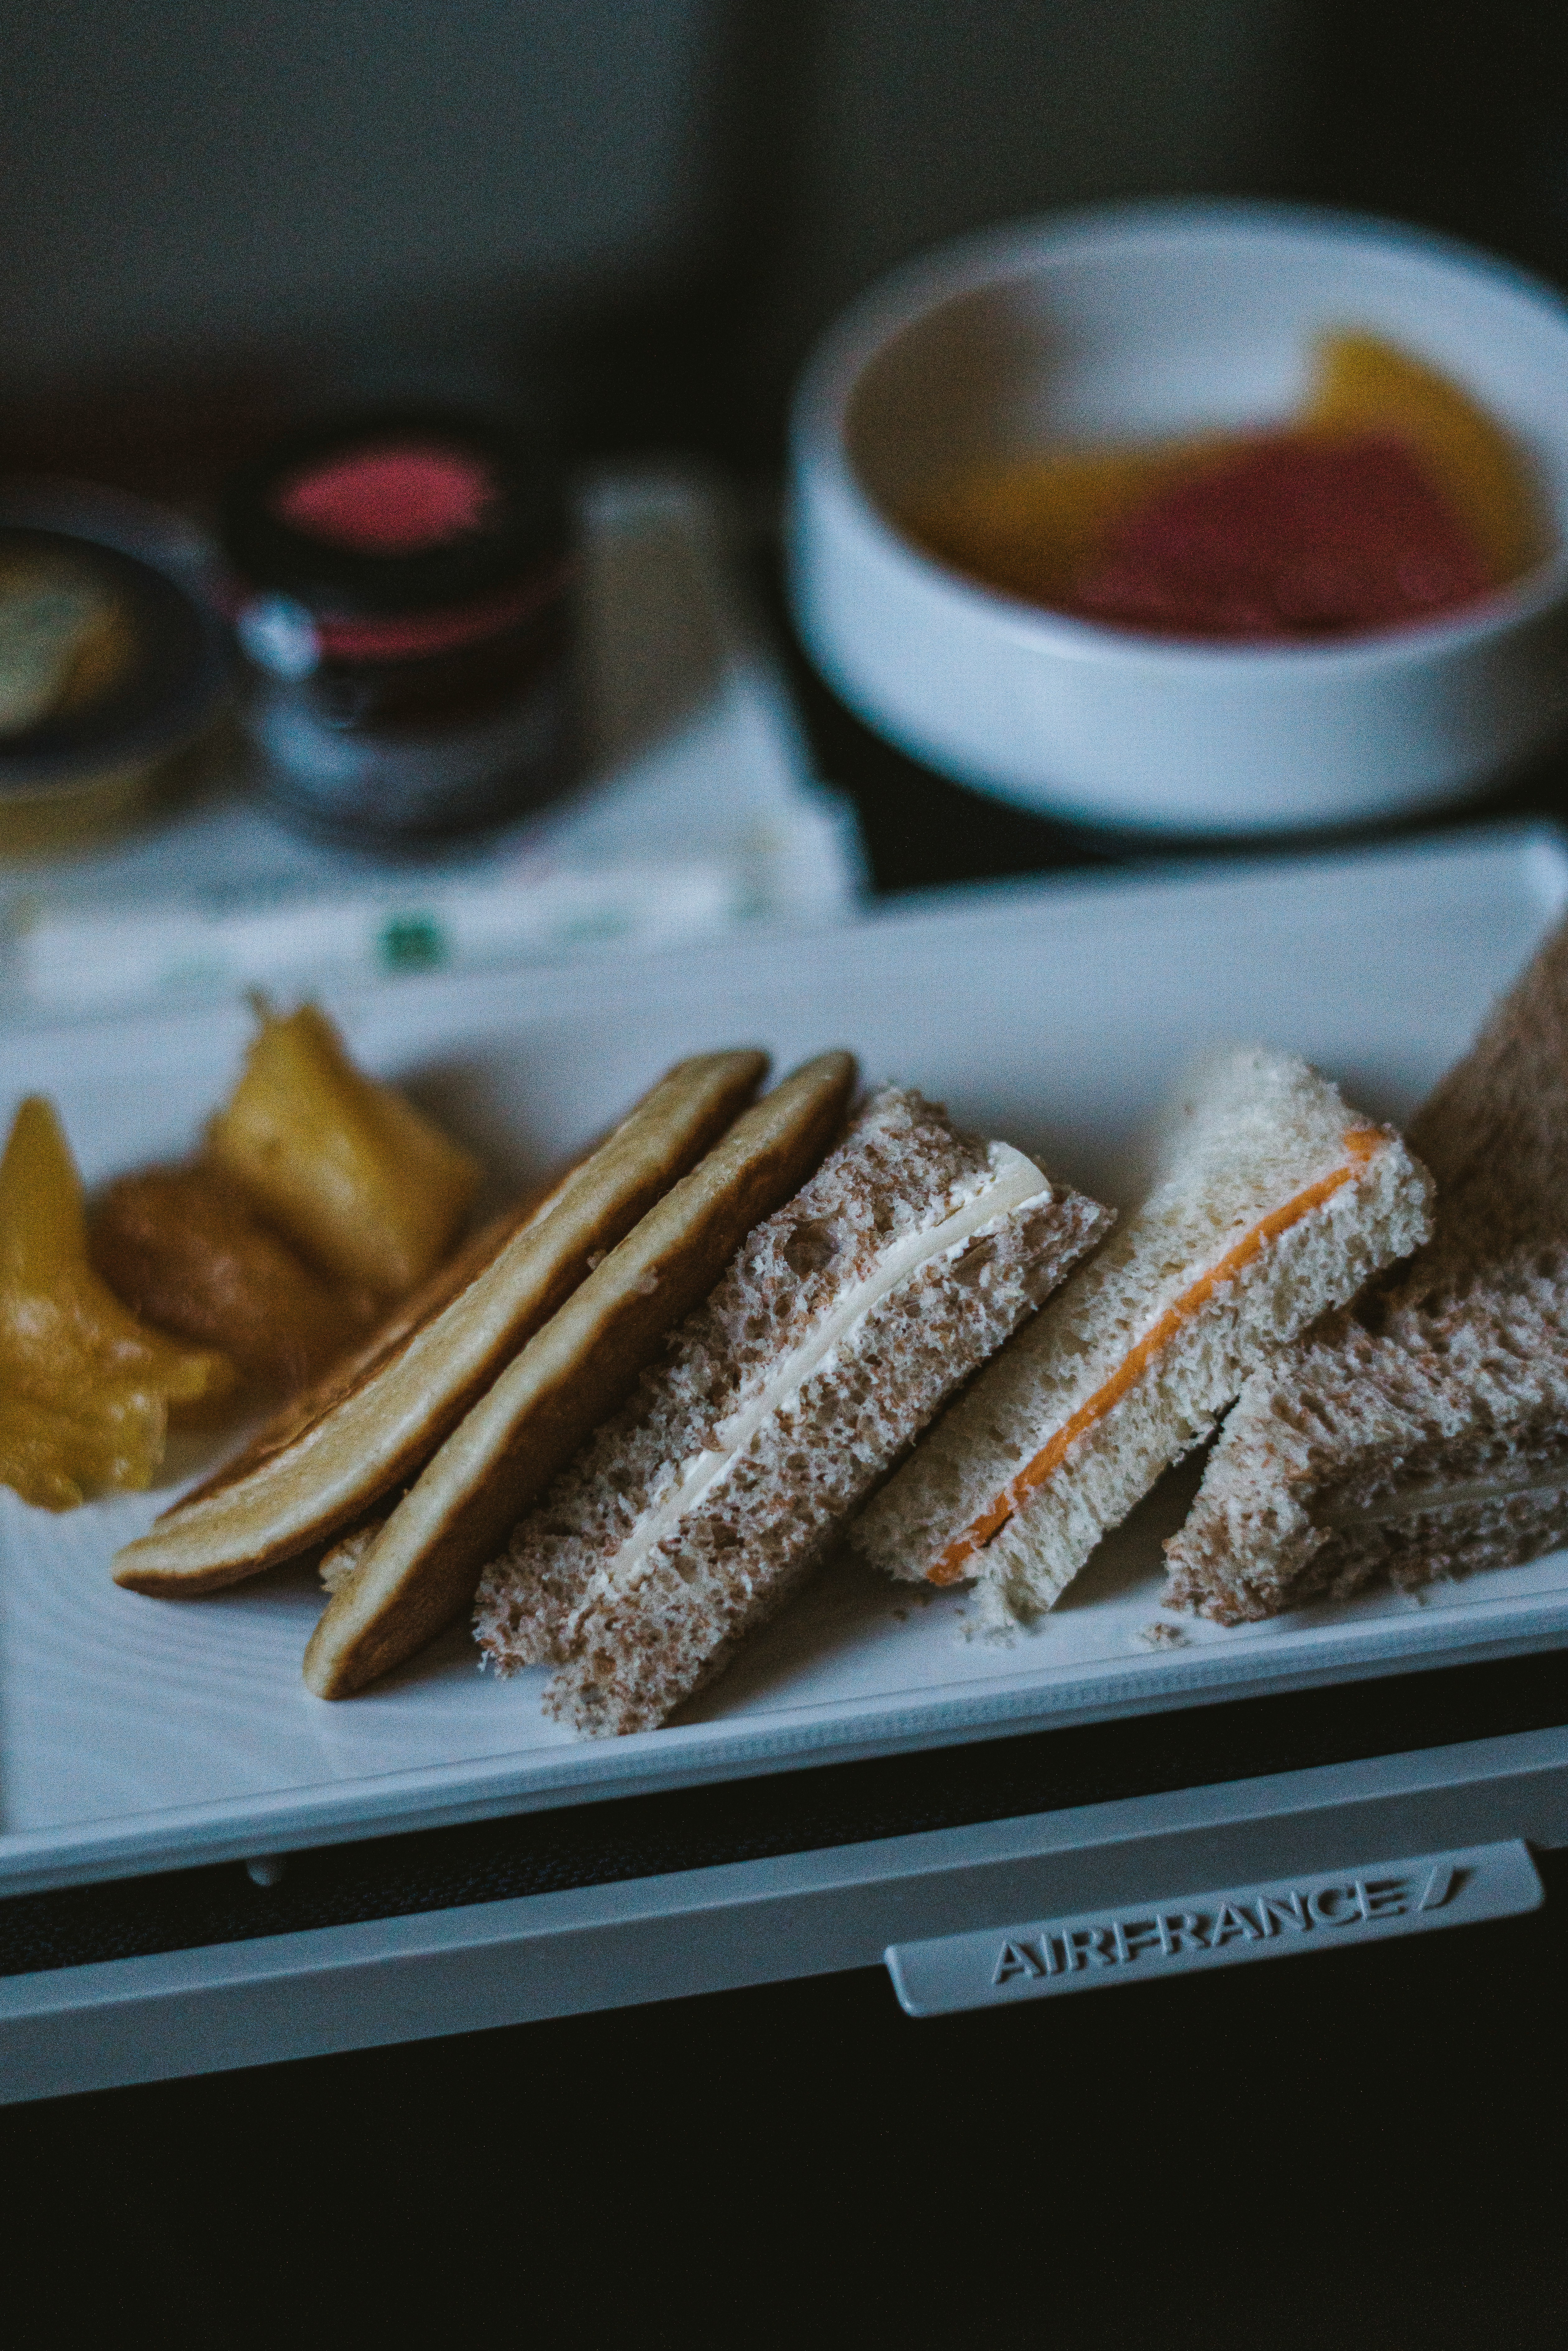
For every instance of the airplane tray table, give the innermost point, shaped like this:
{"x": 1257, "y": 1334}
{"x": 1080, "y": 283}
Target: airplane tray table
{"x": 867, "y": 1775}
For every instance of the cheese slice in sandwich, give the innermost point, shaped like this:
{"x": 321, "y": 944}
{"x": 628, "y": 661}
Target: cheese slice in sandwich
{"x": 842, "y": 1325}
{"x": 1423, "y": 1432}
{"x": 1272, "y": 1201}
{"x": 371, "y": 1424}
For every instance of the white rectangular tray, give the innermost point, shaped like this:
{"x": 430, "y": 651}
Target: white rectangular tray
{"x": 139, "y": 1734}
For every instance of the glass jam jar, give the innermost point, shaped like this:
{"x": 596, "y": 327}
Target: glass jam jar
{"x": 403, "y": 588}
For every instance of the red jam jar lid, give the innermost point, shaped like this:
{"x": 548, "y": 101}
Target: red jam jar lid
{"x": 395, "y": 512}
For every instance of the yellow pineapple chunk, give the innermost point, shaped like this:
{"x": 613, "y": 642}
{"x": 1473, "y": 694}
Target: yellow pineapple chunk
{"x": 347, "y": 1168}
{"x": 85, "y": 1388}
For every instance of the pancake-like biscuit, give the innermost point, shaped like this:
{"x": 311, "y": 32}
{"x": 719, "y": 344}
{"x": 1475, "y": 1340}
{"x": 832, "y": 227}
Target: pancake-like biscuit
{"x": 344, "y": 1377}
{"x": 423, "y": 1567}
{"x": 375, "y": 1421}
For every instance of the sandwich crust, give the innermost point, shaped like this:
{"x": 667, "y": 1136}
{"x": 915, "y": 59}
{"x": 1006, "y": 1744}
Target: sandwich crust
{"x": 421, "y": 1568}
{"x": 1434, "y": 1442}
{"x": 1423, "y": 1432}
{"x": 373, "y": 1422}
{"x": 1494, "y": 1131}
{"x": 1274, "y": 1201}
{"x": 694, "y": 1513}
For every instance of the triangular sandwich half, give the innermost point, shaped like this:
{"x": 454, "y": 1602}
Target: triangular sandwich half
{"x": 1425, "y": 1432}
{"x": 842, "y": 1325}
{"x": 1272, "y": 1201}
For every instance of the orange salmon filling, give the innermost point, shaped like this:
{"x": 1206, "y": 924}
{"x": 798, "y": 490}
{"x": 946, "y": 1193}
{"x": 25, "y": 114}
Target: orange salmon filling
{"x": 1363, "y": 1142}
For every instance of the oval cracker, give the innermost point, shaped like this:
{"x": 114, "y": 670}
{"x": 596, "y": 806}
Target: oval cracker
{"x": 373, "y": 1424}
{"x": 422, "y": 1568}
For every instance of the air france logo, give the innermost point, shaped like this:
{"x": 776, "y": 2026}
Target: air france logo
{"x": 1250, "y": 1917}
{"x": 1169, "y": 1934}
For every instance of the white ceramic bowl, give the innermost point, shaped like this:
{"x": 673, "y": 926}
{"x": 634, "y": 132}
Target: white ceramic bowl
{"x": 1132, "y": 324}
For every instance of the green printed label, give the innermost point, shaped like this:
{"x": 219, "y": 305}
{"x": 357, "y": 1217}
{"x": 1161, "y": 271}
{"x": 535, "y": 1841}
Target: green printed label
{"x": 412, "y": 943}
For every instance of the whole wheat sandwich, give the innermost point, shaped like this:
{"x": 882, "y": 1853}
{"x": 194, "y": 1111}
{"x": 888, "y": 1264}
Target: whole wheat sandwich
{"x": 842, "y": 1324}
{"x": 1272, "y": 1201}
{"x": 1423, "y": 1432}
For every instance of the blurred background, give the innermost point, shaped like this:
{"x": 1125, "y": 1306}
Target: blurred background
{"x": 632, "y": 219}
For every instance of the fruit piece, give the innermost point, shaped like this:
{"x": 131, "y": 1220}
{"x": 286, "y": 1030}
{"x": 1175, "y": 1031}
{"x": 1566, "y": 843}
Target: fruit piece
{"x": 1040, "y": 525}
{"x": 347, "y": 1168}
{"x": 1292, "y": 537}
{"x": 185, "y": 1248}
{"x": 1028, "y": 525}
{"x": 1365, "y": 386}
{"x": 85, "y": 1388}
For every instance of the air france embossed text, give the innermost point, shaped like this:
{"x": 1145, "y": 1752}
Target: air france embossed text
{"x": 1243, "y": 1916}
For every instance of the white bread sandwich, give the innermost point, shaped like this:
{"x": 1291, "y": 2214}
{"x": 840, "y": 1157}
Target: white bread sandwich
{"x": 417, "y": 1568}
{"x": 370, "y": 1424}
{"x": 1424, "y": 1432}
{"x": 842, "y": 1325}
{"x": 1272, "y": 1200}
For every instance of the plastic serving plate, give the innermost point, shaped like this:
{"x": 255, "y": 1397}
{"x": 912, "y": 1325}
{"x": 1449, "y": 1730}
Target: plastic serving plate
{"x": 141, "y": 1734}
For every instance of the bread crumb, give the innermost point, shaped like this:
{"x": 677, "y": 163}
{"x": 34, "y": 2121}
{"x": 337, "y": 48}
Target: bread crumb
{"x": 342, "y": 1562}
{"x": 1158, "y": 1636}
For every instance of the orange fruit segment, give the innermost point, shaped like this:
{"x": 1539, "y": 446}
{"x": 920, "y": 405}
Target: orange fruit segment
{"x": 1366, "y": 385}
